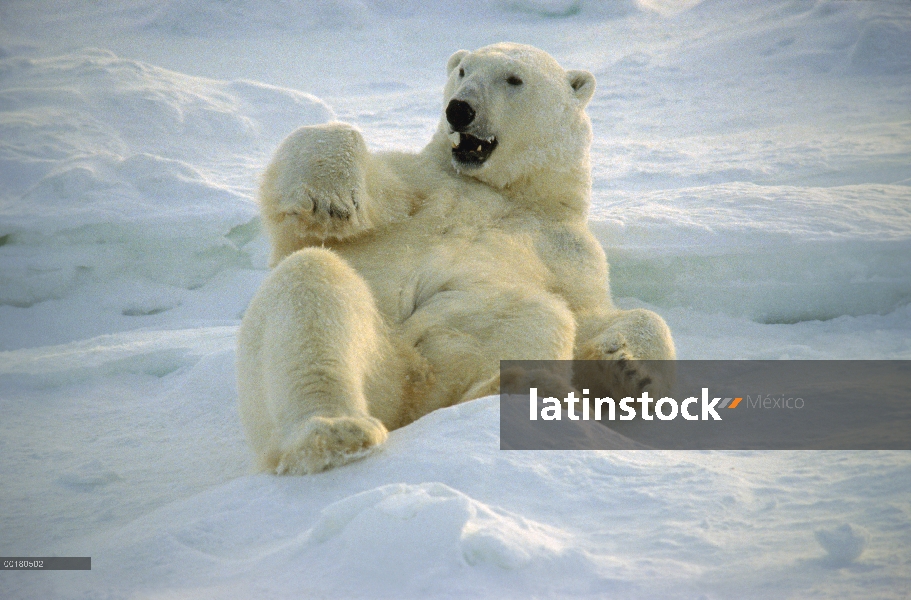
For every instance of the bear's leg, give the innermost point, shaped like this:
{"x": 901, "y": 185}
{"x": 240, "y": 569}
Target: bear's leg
{"x": 465, "y": 334}
{"x": 636, "y": 353}
{"x": 306, "y": 346}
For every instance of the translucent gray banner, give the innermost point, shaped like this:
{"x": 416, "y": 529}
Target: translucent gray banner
{"x": 705, "y": 405}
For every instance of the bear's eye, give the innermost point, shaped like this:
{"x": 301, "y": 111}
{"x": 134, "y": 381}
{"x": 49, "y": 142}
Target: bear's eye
{"x": 513, "y": 80}
{"x": 461, "y": 72}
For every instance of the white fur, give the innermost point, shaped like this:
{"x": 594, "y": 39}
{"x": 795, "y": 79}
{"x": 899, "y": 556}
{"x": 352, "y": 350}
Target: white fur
{"x": 401, "y": 280}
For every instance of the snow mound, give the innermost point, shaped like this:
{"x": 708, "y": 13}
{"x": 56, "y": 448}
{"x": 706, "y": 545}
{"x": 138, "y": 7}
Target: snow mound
{"x": 415, "y": 534}
{"x": 773, "y": 254}
{"x": 154, "y": 353}
{"x": 131, "y": 184}
{"x": 142, "y": 145}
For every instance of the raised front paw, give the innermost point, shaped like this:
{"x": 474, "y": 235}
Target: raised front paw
{"x": 327, "y": 442}
{"x": 322, "y": 206}
{"x": 317, "y": 178}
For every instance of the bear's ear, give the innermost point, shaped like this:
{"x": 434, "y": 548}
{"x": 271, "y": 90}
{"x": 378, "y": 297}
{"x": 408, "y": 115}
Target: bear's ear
{"x": 455, "y": 59}
{"x": 583, "y": 84}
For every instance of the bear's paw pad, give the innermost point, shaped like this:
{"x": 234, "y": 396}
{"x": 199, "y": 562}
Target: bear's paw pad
{"x": 617, "y": 372}
{"x": 328, "y": 442}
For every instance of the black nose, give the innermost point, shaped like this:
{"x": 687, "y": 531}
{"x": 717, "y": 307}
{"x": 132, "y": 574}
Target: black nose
{"x": 459, "y": 114}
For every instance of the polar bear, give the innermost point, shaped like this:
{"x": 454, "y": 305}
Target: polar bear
{"x": 400, "y": 280}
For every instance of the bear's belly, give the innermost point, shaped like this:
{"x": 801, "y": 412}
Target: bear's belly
{"x": 407, "y": 266}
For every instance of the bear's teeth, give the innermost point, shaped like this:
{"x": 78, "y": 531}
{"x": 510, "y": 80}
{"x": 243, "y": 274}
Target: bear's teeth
{"x": 455, "y": 137}
{"x": 479, "y": 148}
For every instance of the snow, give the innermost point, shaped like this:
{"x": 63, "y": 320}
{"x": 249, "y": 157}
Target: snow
{"x": 752, "y": 179}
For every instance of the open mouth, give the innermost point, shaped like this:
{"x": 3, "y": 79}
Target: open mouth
{"x": 471, "y": 151}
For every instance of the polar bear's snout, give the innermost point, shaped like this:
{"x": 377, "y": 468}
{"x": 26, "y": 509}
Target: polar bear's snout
{"x": 460, "y": 114}
{"x": 467, "y": 150}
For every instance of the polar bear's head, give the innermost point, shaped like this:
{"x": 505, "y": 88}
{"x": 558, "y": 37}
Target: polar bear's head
{"x": 511, "y": 112}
